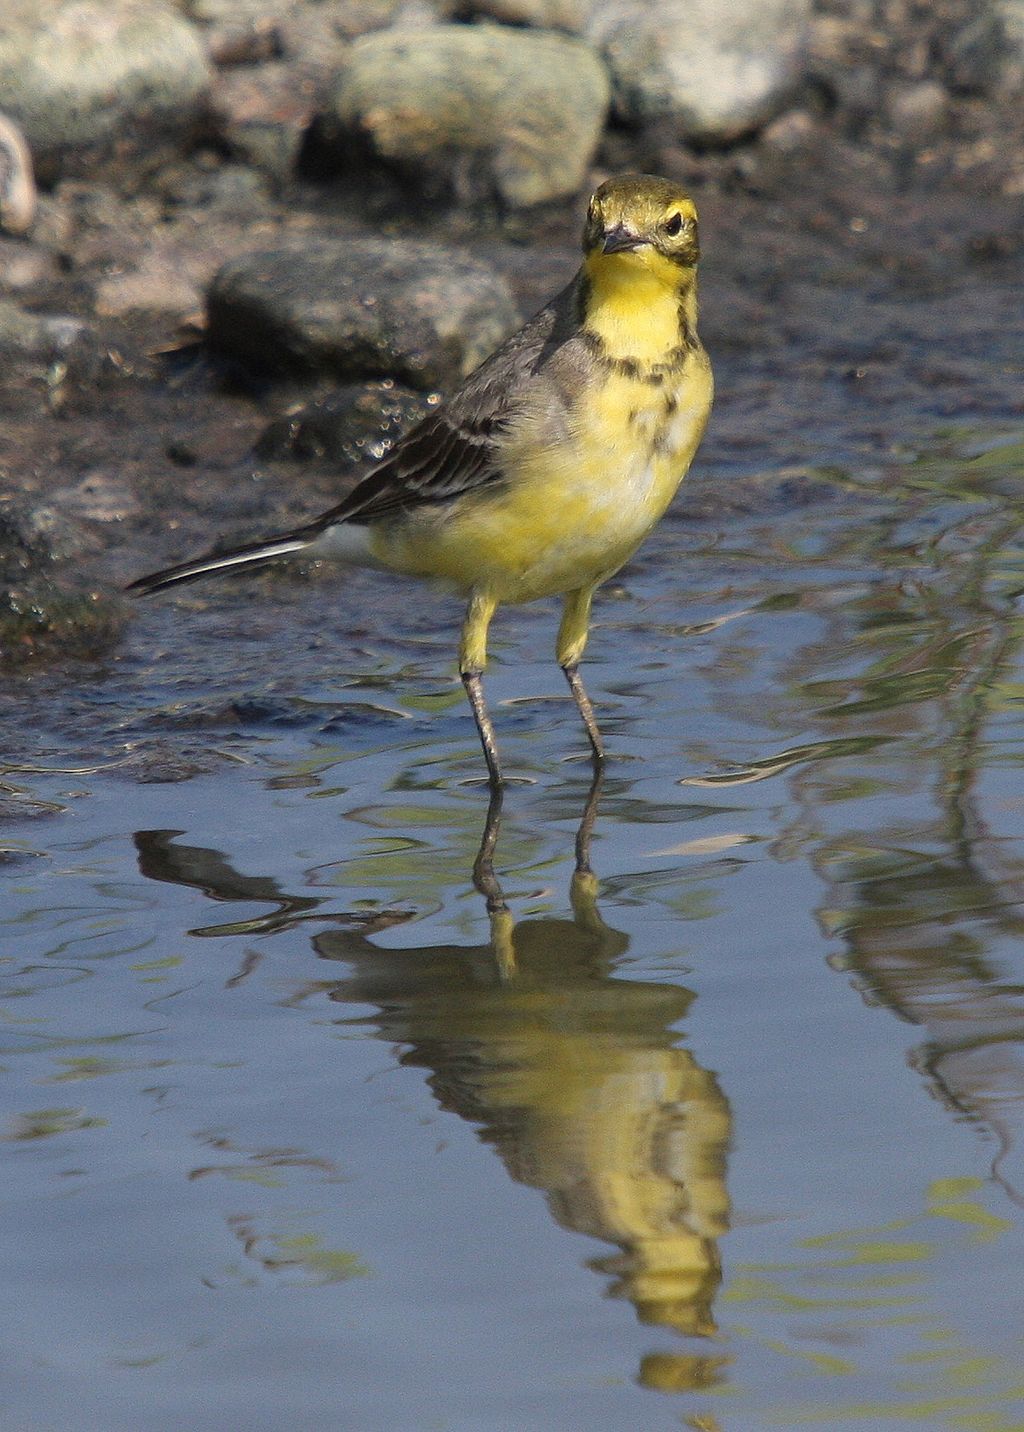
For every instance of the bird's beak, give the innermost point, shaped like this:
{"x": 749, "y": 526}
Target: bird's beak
{"x": 620, "y": 240}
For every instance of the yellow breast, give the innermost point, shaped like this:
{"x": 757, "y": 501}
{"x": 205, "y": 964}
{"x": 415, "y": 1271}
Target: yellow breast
{"x": 573, "y": 510}
{"x": 599, "y": 446}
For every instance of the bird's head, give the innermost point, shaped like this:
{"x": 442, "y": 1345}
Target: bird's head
{"x": 640, "y": 221}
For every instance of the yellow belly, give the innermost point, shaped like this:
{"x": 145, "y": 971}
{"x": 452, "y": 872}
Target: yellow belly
{"x": 571, "y": 512}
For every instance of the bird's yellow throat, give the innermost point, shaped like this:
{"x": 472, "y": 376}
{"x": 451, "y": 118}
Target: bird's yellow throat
{"x": 640, "y": 305}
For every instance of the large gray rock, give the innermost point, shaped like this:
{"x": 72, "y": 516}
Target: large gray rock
{"x": 715, "y": 70}
{"x": 86, "y": 79}
{"x": 362, "y": 308}
{"x": 474, "y": 110}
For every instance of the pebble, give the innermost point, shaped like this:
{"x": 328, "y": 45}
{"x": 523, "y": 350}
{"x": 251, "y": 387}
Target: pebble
{"x": 18, "y": 197}
{"x": 917, "y": 111}
{"x": 36, "y": 335}
{"x": 24, "y": 267}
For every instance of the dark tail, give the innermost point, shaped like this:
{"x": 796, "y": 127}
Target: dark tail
{"x": 249, "y": 555}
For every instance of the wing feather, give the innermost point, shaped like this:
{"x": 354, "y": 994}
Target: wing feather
{"x": 457, "y": 449}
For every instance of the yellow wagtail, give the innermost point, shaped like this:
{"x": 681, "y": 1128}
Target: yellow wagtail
{"x": 551, "y": 463}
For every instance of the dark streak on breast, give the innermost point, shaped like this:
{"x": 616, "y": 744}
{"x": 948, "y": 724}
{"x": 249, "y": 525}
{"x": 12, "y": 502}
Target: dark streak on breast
{"x": 690, "y": 342}
{"x": 653, "y": 373}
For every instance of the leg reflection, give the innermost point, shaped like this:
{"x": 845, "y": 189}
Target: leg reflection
{"x": 573, "y": 1074}
{"x": 577, "y": 1079}
{"x": 583, "y": 894}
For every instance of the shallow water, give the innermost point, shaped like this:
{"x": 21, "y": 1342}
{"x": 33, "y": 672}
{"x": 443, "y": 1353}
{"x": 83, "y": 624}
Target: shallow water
{"x": 303, "y": 1130}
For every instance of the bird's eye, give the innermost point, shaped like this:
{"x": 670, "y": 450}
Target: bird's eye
{"x": 673, "y": 225}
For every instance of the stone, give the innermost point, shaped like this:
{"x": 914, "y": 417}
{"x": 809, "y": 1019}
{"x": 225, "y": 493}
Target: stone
{"x": 1011, "y": 21}
{"x": 348, "y": 428}
{"x": 39, "y": 617}
{"x": 90, "y": 80}
{"x": 18, "y": 197}
{"x": 472, "y": 111}
{"x": 351, "y": 18}
{"x": 361, "y": 308}
{"x": 263, "y": 113}
{"x": 247, "y": 41}
{"x": 970, "y": 55}
{"x": 1011, "y": 17}
{"x": 716, "y": 71}
{"x": 917, "y": 111}
{"x": 157, "y": 284}
{"x": 36, "y": 335}
{"x": 234, "y": 23}
{"x": 570, "y": 15}
{"x": 24, "y": 267}
{"x": 791, "y": 133}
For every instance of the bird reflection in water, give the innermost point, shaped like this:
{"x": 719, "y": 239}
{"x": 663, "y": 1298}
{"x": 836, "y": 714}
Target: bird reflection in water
{"x": 575, "y": 1077}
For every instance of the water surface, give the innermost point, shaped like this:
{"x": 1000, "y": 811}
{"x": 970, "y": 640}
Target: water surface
{"x": 717, "y": 1124}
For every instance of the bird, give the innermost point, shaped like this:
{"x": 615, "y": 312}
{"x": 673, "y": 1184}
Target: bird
{"x": 544, "y": 471}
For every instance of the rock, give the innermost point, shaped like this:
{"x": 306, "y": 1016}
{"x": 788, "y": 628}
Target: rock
{"x": 917, "y": 111}
{"x": 1011, "y": 17}
{"x": 349, "y": 427}
{"x": 351, "y": 18}
{"x": 36, "y": 335}
{"x": 971, "y": 55}
{"x": 53, "y": 227}
{"x": 24, "y": 267}
{"x": 791, "y": 133}
{"x": 362, "y": 308}
{"x": 98, "y": 497}
{"x": 234, "y": 23}
{"x": 716, "y": 70}
{"x": 158, "y": 284}
{"x": 91, "y": 80}
{"x": 38, "y": 618}
{"x": 263, "y": 114}
{"x": 474, "y": 111}
{"x": 248, "y": 41}
{"x": 17, "y": 182}
{"x": 230, "y": 191}
{"x": 571, "y": 15}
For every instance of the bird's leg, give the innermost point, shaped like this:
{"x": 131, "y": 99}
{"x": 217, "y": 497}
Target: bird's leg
{"x": 572, "y": 638}
{"x": 472, "y": 660}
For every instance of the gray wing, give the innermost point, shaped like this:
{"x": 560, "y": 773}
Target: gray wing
{"x": 457, "y": 449}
